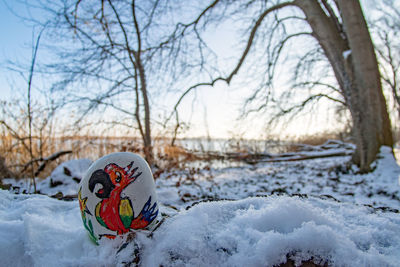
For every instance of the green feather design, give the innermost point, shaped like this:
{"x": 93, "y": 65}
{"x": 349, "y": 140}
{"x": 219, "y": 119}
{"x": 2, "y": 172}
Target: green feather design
{"x": 98, "y": 218}
{"x": 126, "y": 212}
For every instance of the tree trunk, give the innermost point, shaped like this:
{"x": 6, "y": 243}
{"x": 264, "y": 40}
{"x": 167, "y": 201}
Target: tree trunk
{"x": 373, "y": 124}
{"x": 148, "y": 148}
{"x": 146, "y": 135}
{"x": 357, "y": 75}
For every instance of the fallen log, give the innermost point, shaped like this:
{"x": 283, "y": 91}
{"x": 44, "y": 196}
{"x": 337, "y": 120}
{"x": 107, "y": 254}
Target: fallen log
{"x": 299, "y": 156}
{"x": 44, "y": 161}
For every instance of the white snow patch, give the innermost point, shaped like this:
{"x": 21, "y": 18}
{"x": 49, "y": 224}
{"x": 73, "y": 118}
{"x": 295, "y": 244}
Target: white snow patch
{"x": 346, "y": 54}
{"x": 263, "y": 231}
{"x": 65, "y": 178}
{"x": 68, "y": 175}
{"x": 37, "y": 230}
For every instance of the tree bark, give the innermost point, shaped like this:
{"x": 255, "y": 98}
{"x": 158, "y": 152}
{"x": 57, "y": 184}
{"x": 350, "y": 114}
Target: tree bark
{"x": 147, "y": 144}
{"x": 357, "y": 75}
{"x": 148, "y": 148}
{"x": 374, "y": 128}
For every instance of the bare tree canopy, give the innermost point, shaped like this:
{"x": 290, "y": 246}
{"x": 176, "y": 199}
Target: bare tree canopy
{"x": 338, "y": 38}
{"x": 113, "y": 55}
{"x": 121, "y": 52}
{"x": 386, "y": 28}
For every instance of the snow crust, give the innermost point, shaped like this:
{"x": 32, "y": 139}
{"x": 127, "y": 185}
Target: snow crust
{"x": 39, "y": 231}
{"x": 316, "y": 177}
{"x": 64, "y": 178}
{"x": 67, "y": 175}
{"x": 263, "y": 231}
{"x": 308, "y": 210}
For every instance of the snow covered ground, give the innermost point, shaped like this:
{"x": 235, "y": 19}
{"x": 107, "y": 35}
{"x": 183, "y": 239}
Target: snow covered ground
{"x": 258, "y": 215}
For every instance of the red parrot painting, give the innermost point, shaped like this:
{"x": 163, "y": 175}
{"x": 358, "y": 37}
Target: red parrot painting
{"x": 113, "y": 211}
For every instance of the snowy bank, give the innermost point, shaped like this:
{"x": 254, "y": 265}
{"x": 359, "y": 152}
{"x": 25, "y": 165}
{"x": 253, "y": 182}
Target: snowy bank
{"x": 40, "y": 231}
{"x": 65, "y": 179}
{"x": 263, "y": 231}
{"x": 317, "y": 177}
{"x": 37, "y": 230}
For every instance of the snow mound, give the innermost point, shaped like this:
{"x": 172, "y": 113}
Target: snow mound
{"x": 264, "y": 231}
{"x": 36, "y": 230}
{"x": 387, "y": 167}
{"x": 65, "y": 178}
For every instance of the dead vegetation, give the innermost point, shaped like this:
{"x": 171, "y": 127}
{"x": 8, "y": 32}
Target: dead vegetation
{"x": 49, "y": 151}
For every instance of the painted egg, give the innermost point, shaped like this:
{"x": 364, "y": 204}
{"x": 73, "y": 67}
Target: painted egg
{"x": 117, "y": 195}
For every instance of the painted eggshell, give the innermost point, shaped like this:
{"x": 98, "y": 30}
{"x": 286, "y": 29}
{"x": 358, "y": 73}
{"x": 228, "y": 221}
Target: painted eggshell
{"x": 117, "y": 195}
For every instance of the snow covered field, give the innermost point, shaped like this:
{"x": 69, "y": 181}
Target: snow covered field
{"x": 256, "y": 215}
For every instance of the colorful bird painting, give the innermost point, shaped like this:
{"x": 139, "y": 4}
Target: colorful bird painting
{"x": 114, "y": 211}
{"x": 87, "y": 223}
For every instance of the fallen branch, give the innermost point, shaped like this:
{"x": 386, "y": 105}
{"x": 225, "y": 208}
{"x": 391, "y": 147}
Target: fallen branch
{"x": 299, "y": 156}
{"x": 45, "y": 161}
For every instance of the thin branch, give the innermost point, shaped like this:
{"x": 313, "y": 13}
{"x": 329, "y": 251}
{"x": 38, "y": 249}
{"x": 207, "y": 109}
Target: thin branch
{"x": 241, "y": 60}
{"x": 15, "y": 134}
{"x": 243, "y": 56}
{"x": 45, "y": 161}
{"x": 302, "y": 105}
{"x": 36, "y": 47}
{"x": 333, "y": 17}
{"x": 183, "y": 27}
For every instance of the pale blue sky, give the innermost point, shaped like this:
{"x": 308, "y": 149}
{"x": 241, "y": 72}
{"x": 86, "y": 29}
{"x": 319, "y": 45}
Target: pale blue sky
{"x": 15, "y": 34}
{"x": 15, "y": 44}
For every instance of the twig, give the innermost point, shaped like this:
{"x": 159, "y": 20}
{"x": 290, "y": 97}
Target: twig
{"x": 45, "y": 161}
{"x": 240, "y": 62}
{"x": 29, "y": 103}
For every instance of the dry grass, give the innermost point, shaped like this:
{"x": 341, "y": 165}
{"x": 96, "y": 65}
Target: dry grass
{"x": 314, "y": 140}
{"x": 317, "y": 139}
{"x": 176, "y": 153}
{"x": 17, "y": 155}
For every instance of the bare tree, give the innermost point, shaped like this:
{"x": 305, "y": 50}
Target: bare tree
{"x": 31, "y": 72}
{"x": 112, "y": 56}
{"x": 26, "y": 134}
{"x": 343, "y": 40}
{"x": 111, "y": 51}
{"x": 102, "y": 54}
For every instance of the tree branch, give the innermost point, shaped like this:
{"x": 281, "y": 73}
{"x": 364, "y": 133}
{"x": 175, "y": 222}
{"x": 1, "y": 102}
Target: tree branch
{"x": 243, "y": 56}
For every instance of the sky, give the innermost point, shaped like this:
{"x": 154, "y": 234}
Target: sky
{"x": 215, "y": 109}
{"x": 16, "y": 34}
{"x": 15, "y": 45}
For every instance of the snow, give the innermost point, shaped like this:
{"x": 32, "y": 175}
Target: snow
{"x": 259, "y": 215}
{"x": 37, "y": 230}
{"x": 318, "y": 177}
{"x": 40, "y": 231}
{"x": 68, "y": 175}
{"x": 346, "y": 54}
{"x": 65, "y": 178}
{"x": 262, "y": 231}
